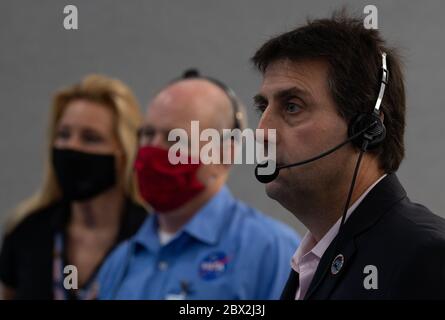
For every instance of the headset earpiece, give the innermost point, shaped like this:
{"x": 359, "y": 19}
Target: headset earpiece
{"x": 373, "y": 136}
{"x": 376, "y": 133}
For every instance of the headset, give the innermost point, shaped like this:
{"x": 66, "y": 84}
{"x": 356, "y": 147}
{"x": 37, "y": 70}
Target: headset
{"x": 365, "y": 131}
{"x": 237, "y": 114}
{"x": 375, "y": 131}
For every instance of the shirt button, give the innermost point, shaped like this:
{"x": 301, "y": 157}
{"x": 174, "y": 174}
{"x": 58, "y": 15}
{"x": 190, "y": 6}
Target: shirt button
{"x": 163, "y": 265}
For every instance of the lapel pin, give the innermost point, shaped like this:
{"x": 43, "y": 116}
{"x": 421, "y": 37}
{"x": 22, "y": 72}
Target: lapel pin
{"x": 337, "y": 264}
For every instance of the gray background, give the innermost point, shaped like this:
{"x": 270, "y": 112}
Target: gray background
{"x": 147, "y": 43}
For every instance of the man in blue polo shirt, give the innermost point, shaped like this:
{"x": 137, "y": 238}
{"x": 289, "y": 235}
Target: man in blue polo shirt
{"x": 200, "y": 242}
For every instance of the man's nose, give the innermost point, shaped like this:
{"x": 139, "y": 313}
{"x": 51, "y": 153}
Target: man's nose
{"x": 268, "y": 121}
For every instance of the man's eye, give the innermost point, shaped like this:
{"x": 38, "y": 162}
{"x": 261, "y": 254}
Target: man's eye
{"x": 146, "y": 133}
{"x": 260, "y": 108}
{"x": 292, "y": 108}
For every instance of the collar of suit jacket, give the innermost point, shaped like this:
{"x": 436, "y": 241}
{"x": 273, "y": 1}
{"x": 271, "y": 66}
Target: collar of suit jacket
{"x": 377, "y": 203}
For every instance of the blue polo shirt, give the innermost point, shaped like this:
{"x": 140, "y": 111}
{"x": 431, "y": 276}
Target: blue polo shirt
{"x": 228, "y": 250}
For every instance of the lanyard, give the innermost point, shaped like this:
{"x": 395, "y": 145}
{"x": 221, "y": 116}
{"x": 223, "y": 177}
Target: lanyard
{"x": 59, "y": 290}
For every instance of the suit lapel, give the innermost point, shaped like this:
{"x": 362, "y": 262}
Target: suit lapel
{"x": 331, "y": 268}
{"x": 378, "y": 201}
{"x": 290, "y": 290}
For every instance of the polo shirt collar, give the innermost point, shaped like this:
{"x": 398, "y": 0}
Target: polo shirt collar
{"x": 206, "y": 225}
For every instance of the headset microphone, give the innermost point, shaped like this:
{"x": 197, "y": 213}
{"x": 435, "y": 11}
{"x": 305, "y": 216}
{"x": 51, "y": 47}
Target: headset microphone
{"x": 266, "y": 178}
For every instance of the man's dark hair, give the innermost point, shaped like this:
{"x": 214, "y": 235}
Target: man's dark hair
{"x": 353, "y": 54}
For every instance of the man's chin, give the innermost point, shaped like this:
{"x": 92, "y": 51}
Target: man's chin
{"x": 274, "y": 189}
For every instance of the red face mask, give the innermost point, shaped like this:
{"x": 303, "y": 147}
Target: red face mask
{"x": 163, "y": 185}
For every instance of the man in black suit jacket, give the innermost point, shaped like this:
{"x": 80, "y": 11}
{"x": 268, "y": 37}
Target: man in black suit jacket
{"x": 403, "y": 240}
{"x": 316, "y": 80}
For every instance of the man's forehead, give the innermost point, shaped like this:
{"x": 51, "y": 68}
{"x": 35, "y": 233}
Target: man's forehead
{"x": 285, "y": 74}
{"x": 177, "y": 108}
{"x": 188, "y": 100}
{"x": 192, "y": 92}
{"x": 170, "y": 115}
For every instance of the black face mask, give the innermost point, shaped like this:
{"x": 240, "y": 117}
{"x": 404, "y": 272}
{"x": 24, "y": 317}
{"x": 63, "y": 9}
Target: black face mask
{"x": 82, "y": 176}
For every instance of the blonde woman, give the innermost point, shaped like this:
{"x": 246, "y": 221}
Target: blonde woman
{"x": 88, "y": 202}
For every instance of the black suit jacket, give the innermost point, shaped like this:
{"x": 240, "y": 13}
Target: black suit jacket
{"x": 403, "y": 240}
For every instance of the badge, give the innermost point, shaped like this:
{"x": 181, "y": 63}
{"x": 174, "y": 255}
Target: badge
{"x": 213, "y": 265}
{"x": 337, "y": 264}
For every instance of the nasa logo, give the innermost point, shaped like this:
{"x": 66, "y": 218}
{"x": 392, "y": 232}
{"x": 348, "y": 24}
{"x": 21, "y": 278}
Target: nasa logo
{"x": 213, "y": 266}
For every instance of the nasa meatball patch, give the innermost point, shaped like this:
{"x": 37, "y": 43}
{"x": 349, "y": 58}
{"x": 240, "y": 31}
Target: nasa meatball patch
{"x": 213, "y": 265}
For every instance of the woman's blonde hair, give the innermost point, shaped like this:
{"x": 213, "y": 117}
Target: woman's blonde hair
{"x": 111, "y": 93}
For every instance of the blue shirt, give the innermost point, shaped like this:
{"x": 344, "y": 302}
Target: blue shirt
{"x": 228, "y": 250}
